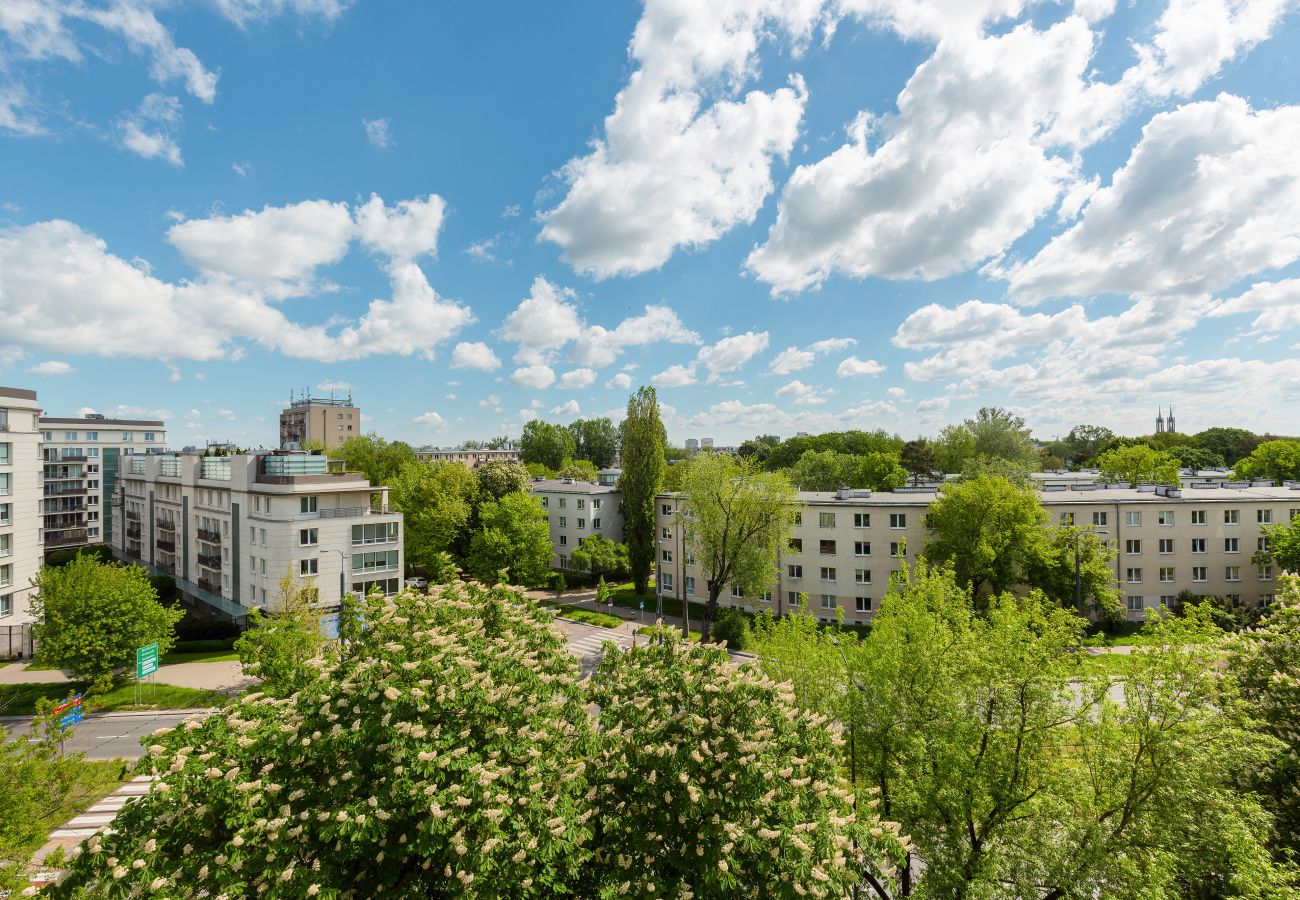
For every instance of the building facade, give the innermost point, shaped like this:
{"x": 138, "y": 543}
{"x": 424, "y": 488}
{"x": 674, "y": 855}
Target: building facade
{"x": 468, "y": 457}
{"x": 326, "y": 420}
{"x": 82, "y": 458}
{"x": 577, "y": 510}
{"x": 846, "y": 545}
{"x": 21, "y": 539}
{"x": 228, "y": 528}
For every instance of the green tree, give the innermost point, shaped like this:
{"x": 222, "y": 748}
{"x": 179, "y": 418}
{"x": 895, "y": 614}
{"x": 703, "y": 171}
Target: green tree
{"x": 595, "y": 440}
{"x": 436, "y": 500}
{"x": 737, "y": 519}
{"x": 1086, "y": 441}
{"x": 1196, "y": 458}
{"x": 514, "y": 535}
{"x": 643, "y": 474}
{"x": 374, "y": 456}
{"x": 955, "y": 447}
{"x": 819, "y": 470}
{"x": 282, "y": 642}
{"x": 545, "y": 443}
{"x": 91, "y": 617}
{"x": 1137, "y": 464}
{"x": 919, "y": 459}
{"x": 1281, "y": 546}
{"x": 989, "y": 529}
{"x": 758, "y": 448}
{"x": 578, "y": 470}
{"x": 829, "y": 470}
{"x": 598, "y": 555}
{"x": 499, "y": 477}
{"x": 1012, "y": 771}
{"x": 1002, "y": 434}
{"x": 1275, "y": 461}
{"x": 1230, "y": 443}
{"x": 1050, "y": 569}
{"x": 712, "y": 782}
{"x": 876, "y": 470}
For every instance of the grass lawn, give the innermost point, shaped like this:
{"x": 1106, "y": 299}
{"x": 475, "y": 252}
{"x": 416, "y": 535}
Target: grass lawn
{"x": 92, "y": 780}
{"x": 649, "y": 629}
{"x": 586, "y": 616}
{"x": 20, "y": 699}
{"x": 180, "y": 656}
{"x": 627, "y": 598}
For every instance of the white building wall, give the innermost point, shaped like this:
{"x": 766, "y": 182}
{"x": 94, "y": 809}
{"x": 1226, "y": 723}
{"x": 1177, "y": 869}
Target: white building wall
{"x": 576, "y": 511}
{"x": 21, "y": 550}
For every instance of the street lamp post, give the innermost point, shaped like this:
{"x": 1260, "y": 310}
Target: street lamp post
{"x": 342, "y": 568}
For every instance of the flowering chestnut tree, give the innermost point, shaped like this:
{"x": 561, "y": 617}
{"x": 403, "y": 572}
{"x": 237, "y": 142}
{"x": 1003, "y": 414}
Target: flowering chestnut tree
{"x": 437, "y": 752}
{"x": 711, "y": 782}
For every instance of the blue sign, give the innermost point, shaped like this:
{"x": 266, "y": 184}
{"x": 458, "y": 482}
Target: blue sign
{"x": 643, "y": 604}
{"x": 70, "y": 719}
{"x": 329, "y": 626}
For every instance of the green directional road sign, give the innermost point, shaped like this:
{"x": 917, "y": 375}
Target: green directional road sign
{"x": 146, "y": 661}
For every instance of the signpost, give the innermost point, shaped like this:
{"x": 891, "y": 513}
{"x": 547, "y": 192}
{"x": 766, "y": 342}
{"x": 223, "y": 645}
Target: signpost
{"x": 67, "y": 714}
{"x": 146, "y": 663}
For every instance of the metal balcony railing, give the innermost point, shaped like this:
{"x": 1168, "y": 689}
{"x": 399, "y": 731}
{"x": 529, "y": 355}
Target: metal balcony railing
{"x": 209, "y": 535}
{"x": 133, "y": 531}
{"x": 210, "y": 587}
{"x": 132, "y": 515}
{"x": 163, "y": 544}
{"x": 210, "y": 561}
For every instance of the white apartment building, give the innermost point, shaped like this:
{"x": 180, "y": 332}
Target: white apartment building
{"x": 471, "y": 458}
{"x": 21, "y": 552}
{"x": 846, "y": 545}
{"x": 577, "y": 510}
{"x": 228, "y": 528}
{"x": 81, "y": 460}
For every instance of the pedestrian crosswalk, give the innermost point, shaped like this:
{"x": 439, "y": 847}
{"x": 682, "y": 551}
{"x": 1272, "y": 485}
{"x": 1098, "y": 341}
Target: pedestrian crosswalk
{"x": 588, "y": 646}
{"x": 102, "y": 813}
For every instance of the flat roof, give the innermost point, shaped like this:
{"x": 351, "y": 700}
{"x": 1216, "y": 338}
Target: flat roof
{"x": 1226, "y": 494}
{"x": 557, "y": 485}
{"x": 94, "y": 423}
{"x": 17, "y": 393}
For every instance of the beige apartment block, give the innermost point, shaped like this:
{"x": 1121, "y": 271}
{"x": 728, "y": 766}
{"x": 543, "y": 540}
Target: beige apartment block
{"x": 82, "y": 458}
{"x": 467, "y": 457}
{"x": 329, "y": 421}
{"x": 847, "y": 544}
{"x": 577, "y": 510}
{"x": 228, "y": 528}
{"x": 21, "y": 549}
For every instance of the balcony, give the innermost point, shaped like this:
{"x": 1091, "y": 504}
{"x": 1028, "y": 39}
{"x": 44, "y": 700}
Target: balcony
{"x": 133, "y": 551}
{"x": 132, "y": 515}
{"x": 210, "y": 587}
{"x": 133, "y": 531}
{"x": 59, "y": 523}
{"x": 64, "y": 490}
{"x": 66, "y": 538}
{"x": 349, "y": 512}
{"x": 165, "y": 525}
{"x": 210, "y": 561}
{"x": 209, "y": 535}
{"x": 166, "y": 568}
{"x": 163, "y": 544}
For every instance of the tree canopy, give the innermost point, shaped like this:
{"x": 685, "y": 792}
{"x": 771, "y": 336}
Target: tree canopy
{"x": 1001, "y": 434}
{"x": 545, "y": 443}
{"x": 514, "y": 535}
{"x": 379, "y": 459}
{"x": 642, "y": 439}
{"x": 595, "y": 440}
{"x": 280, "y": 644}
{"x": 437, "y": 501}
{"x": 1137, "y": 464}
{"x": 499, "y": 477}
{"x": 829, "y": 470}
{"x": 598, "y": 555}
{"x": 1275, "y": 461}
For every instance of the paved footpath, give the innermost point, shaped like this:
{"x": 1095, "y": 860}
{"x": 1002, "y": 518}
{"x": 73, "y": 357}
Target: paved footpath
{"x": 97, "y": 818}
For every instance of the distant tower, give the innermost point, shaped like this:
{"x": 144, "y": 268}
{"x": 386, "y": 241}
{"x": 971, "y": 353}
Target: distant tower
{"x": 1169, "y": 422}
{"x": 1160, "y": 421}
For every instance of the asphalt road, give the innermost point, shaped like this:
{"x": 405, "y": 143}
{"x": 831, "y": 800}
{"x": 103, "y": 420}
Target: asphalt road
{"x": 110, "y": 735}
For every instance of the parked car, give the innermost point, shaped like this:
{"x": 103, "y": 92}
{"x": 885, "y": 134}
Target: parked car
{"x": 418, "y": 582}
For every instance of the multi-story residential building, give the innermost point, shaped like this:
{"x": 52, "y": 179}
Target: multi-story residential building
{"x": 20, "y": 514}
{"x": 327, "y": 420}
{"x": 82, "y": 458}
{"x": 577, "y": 510}
{"x": 473, "y": 458}
{"x": 228, "y": 528}
{"x": 847, "y": 544}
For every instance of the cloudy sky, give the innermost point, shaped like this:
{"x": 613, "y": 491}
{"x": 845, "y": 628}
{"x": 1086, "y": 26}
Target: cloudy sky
{"x": 786, "y": 214}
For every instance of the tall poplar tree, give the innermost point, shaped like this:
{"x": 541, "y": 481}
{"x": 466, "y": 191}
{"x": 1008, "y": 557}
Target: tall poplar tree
{"x": 643, "y": 440}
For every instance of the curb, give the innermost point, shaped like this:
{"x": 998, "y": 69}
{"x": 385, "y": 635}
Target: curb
{"x": 136, "y": 713}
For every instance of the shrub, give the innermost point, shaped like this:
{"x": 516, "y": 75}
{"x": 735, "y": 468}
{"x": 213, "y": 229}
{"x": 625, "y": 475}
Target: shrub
{"x": 732, "y": 627}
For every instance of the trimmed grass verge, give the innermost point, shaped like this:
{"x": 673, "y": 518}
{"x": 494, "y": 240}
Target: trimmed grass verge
{"x": 174, "y": 657}
{"x": 92, "y": 781}
{"x": 649, "y": 629}
{"x": 585, "y": 616}
{"x": 20, "y": 699}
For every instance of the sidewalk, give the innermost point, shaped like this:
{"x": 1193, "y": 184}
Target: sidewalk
{"x": 69, "y": 836}
{"x": 214, "y": 676}
{"x": 632, "y": 619}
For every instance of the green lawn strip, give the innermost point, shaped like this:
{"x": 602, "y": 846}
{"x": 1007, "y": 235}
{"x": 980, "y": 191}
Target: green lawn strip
{"x": 627, "y": 598}
{"x": 174, "y": 657}
{"x": 20, "y": 699}
{"x": 92, "y": 781}
{"x": 586, "y": 616}
{"x": 649, "y": 629}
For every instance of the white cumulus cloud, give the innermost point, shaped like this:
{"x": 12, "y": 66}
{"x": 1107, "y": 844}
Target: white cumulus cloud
{"x": 577, "y": 379}
{"x": 537, "y": 377}
{"x": 51, "y": 367}
{"x": 851, "y": 367}
{"x": 474, "y": 355}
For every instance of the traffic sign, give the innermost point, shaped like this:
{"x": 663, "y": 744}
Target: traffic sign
{"x": 146, "y": 661}
{"x": 74, "y": 700}
{"x": 71, "y": 718}
{"x": 68, "y": 712}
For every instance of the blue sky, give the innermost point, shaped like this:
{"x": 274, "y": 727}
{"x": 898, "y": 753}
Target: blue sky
{"x": 788, "y": 216}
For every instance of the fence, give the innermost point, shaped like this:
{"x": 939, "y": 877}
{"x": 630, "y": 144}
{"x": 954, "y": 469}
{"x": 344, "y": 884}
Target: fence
{"x": 16, "y": 641}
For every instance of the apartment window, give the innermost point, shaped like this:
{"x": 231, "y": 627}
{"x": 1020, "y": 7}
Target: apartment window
{"x": 862, "y": 520}
{"x": 796, "y": 545}
{"x": 374, "y": 561}
{"x": 690, "y": 584}
{"x": 862, "y": 576}
{"x": 92, "y": 435}
{"x": 1167, "y": 599}
{"x": 1067, "y": 518}
{"x": 564, "y": 540}
{"x": 898, "y": 520}
{"x": 563, "y": 502}
{"x": 828, "y": 601}
{"x": 6, "y": 454}
{"x": 1231, "y": 545}
{"x": 6, "y": 513}
{"x": 148, "y": 437}
{"x": 667, "y": 580}
{"x": 826, "y": 520}
{"x": 736, "y": 593}
{"x": 582, "y": 504}
{"x": 1132, "y": 519}
{"x": 263, "y": 562}
{"x": 546, "y": 501}
{"x": 6, "y": 605}
{"x": 828, "y": 573}
{"x": 827, "y": 548}
{"x": 795, "y": 571}
{"x": 798, "y": 518}
{"x": 1231, "y": 517}
{"x": 1198, "y": 545}
{"x": 70, "y": 436}
{"x": 1266, "y": 599}
{"x": 1232, "y": 573}
{"x": 862, "y": 604}
{"x": 595, "y": 524}
{"x": 1099, "y": 518}
{"x": 6, "y": 545}
{"x": 127, "y": 437}
{"x": 382, "y": 533}
{"x": 666, "y": 555}
{"x": 6, "y": 575}
{"x": 1166, "y": 573}
{"x": 564, "y": 521}
{"x": 307, "y": 537}
{"x": 307, "y": 566}
{"x": 595, "y": 504}
{"x": 46, "y": 436}
{"x": 895, "y": 549}
{"x": 252, "y": 535}
{"x": 306, "y": 504}
{"x": 1133, "y": 576}
{"x": 1134, "y": 604}
{"x": 1166, "y": 545}
{"x": 862, "y": 548}
{"x": 665, "y": 508}
{"x": 1265, "y": 573}
{"x": 6, "y": 482}
{"x": 1200, "y": 573}
{"x": 92, "y": 452}
{"x": 1198, "y": 517}
{"x": 1294, "y": 514}
{"x": 262, "y": 532}
{"x": 665, "y": 534}
{"x": 1165, "y": 517}
{"x": 1232, "y": 598}
{"x": 792, "y": 597}
{"x": 1264, "y": 516}
{"x": 1261, "y": 544}
{"x": 1132, "y": 548}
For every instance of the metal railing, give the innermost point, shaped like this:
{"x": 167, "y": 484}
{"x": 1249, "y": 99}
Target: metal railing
{"x": 66, "y": 540}
{"x": 205, "y": 585}
{"x": 133, "y": 531}
{"x": 132, "y": 515}
{"x": 165, "y": 525}
{"x": 64, "y": 490}
{"x": 163, "y": 544}
{"x": 169, "y": 568}
{"x": 210, "y": 561}
{"x": 211, "y": 536}
{"x": 348, "y": 512}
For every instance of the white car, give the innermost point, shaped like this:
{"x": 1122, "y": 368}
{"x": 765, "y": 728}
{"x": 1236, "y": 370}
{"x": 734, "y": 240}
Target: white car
{"x": 417, "y": 582}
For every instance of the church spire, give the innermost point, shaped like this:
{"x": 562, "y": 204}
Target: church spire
{"x": 1160, "y": 421}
